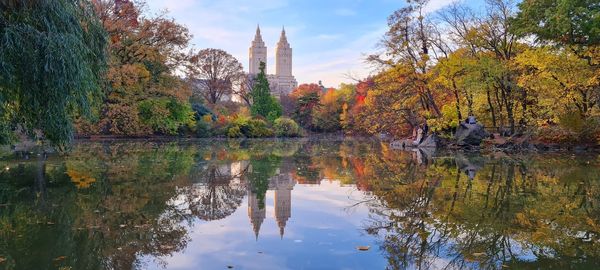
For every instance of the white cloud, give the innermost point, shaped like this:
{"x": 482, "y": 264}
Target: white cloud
{"x": 230, "y": 25}
{"x": 435, "y": 5}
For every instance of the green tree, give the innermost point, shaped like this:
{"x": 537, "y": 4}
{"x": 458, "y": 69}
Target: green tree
{"x": 573, "y": 22}
{"x": 52, "y": 57}
{"x": 263, "y": 103}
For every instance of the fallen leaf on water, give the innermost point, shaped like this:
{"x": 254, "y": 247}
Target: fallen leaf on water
{"x": 50, "y": 223}
{"x": 363, "y": 248}
{"x": 123, "y": 225}
{"x": 60, "y": 258}
{"x": 478, "y": 254}
{"x": 2, "y": 259}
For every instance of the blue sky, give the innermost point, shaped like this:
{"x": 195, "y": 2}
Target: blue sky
{"x": 330, "y": 38}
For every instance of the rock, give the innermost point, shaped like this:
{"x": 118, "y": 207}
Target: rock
{"x": 470, "y": 134}
{"x": 402, "y": 144}
{"x": 429, "y": 142}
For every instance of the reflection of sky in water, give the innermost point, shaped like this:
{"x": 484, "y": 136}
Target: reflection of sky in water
{"x": 322, "y": 233}
{"x": 113, "y": 208}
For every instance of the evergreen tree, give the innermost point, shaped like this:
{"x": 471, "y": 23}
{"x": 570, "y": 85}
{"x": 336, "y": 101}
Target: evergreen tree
{"x": 263, "y": 103}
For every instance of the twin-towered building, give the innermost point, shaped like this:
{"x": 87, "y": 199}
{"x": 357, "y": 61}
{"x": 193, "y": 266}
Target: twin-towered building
{"x": 283, "y": 81}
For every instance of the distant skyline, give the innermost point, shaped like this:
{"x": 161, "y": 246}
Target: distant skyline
{"x": 330, "y": 38}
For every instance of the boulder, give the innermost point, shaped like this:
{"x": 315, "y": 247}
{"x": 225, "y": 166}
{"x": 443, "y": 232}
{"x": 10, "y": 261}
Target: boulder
{"x": 470, "y": 134}
{"x": 429, "y": 142}
{"x": 402, "y": 144}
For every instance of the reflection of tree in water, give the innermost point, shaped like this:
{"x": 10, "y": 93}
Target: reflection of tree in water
{"x": 108, "y": 224}
{"x": 217, "y": 190}
{"x": 445, "y": 215}
{"x": 262, "y": 169}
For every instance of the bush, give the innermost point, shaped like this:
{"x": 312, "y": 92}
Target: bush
{"x": 166, "y": 115}
{"x": 257, "y": 128}
{"x": 200, "y": 111}
{"x": 243, "y": 126}
{"x": 286, "y": 127}
{"x": 234, "y": 132}
{"x": 203, "y": 127}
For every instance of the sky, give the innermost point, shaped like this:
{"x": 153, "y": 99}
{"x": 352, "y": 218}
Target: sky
{"x": 329, "y": 38}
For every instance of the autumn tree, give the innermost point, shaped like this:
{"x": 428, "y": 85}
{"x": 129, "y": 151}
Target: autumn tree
{"x": 306, "y": 98}
{"x": 52, "y": 56}
{"x": 213, "y": 74}
{"x": 328, "y": 116}
{"x": 411, "y": 42}
{"x": 144, "y": 52}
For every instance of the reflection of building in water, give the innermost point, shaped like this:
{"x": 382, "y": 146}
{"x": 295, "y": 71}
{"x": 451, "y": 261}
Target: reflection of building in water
{"x": 255, "y": 213}
{"x": 282, "y": 184}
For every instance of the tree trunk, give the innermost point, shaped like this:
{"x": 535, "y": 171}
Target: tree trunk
{"x": 457, "y": 100}
{"x": 491, "y": 105}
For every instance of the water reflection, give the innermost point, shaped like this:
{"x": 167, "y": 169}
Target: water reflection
{"x": 136, "y": 205}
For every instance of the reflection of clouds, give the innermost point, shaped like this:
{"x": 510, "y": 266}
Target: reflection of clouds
{"x": 226, "y": 242}
{"x": 331, "y": 192}
{"x": 318, "y": 209}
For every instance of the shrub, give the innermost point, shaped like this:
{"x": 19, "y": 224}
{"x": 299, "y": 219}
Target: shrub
{"x": 123, "y": 120}
{"x": 203, "y": 127}
{"x": 234, "y": 132}
{"x": 286, "y": 127}
{"x": 243, "y": 126}
{"x": 200, "y": 111}
{"x": 166, "y": 115}
{"x": 257, "y": 128}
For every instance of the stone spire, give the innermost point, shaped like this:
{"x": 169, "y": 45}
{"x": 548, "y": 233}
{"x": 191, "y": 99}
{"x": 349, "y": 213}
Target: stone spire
{"x": 258, "y": 53}
{"x": 255, "y": 213}
{"x": 283, "y": 40}
{"x": 283, "y": 56}
{"x": 258, "y": 36}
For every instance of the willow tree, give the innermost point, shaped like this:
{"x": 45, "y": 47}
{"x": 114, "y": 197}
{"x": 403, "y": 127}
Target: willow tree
{"x": 52, "y": 54}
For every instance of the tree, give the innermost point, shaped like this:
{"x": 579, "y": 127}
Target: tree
{"x": 263, "y": 103}
{"x": 52, "y": 58}
{"x": 410, "y": 42}
{"x": 571, "y": 22}
{"x": 306, "y": 98}
{"x": 213, "y": 73}
{"x": 145, "y": 52}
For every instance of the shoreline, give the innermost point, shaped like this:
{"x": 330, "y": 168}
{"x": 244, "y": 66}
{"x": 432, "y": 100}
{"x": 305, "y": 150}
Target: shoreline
{"x": 487, "y": 145}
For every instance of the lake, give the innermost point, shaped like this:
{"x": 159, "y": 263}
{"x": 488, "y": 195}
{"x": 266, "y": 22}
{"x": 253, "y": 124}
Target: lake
{"x": 296, "y": 204}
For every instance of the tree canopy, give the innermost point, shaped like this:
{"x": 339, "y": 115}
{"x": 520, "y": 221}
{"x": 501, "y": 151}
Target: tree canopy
{"x": 52, "y": 58}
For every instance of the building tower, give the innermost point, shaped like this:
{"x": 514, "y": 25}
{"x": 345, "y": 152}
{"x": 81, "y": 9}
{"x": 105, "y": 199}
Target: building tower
{"x": 283, "y": 200}
{"x": 283, "y": 57}
{"x": 255, "y": 213}
{"x": 258, "y": 53}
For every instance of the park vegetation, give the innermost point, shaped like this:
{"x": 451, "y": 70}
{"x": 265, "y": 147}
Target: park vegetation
{"x": 529, "y": 69}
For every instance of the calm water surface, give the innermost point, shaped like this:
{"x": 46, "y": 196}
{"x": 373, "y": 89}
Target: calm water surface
{"x": 296, "y": 204}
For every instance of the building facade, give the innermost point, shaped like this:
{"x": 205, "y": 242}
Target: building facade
{"x": 283, "y": 81}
